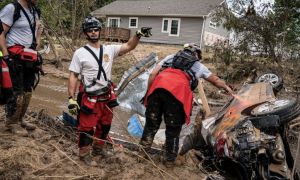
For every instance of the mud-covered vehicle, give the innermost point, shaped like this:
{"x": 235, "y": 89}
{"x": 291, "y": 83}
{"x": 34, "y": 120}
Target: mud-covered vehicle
{"x": 247, "y": 139}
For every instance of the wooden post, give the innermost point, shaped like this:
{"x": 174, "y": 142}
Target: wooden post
{"x": 203, "y": 98}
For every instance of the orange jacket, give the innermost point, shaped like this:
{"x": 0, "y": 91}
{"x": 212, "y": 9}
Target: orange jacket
{"x": 177, "y": 83}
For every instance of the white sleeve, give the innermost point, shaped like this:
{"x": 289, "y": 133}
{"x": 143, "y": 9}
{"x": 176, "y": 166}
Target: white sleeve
{"x": 75, "y": 65}
{"x": 7, "y": 14}
{"x": 168, "y": 58}
{"x": 200, "y": 70}
{"x": 115, "y": 50}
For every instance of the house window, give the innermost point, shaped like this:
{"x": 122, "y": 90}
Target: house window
{"x": 174, "y": 27}
{"x": 133, "y": 22}
{"x": 171, "y": 26}
{"x": 165, "y": 25}
{"x": 213, "y": 25}
{"x": 113, "y": 22}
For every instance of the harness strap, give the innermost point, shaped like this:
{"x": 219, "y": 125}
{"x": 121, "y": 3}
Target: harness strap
{"x": 32, "y": 26}
{"x": 99, "y": 61}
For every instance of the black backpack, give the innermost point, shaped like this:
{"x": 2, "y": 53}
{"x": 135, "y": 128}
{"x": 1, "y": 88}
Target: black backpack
{"x": 17, "y": 13}
{"x": 184, "y": 60}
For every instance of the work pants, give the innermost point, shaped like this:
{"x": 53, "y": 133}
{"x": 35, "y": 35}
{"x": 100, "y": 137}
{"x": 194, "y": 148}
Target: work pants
{"x": 95, "y": 124}
{"x": 163, "y": 103}
{"x": 23, "y": 81}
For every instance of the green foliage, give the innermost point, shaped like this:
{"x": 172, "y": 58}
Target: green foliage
{"x": 4, "y": 2}
{"x": 288, "y": 13}
{"x": 267, "y": 30}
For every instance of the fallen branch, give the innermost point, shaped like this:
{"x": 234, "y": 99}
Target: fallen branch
{"x": 46, "y": 167}
{"x": 63, "y": 153}
{"x": 148, "y": 156}
{"x": 151, "y": 162}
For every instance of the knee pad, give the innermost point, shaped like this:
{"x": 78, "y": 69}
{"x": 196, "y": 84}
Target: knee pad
{"x": 84, "y": 139}
{"x": 105, "y": 131}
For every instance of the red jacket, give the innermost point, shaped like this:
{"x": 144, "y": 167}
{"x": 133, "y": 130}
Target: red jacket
{"x": 177, "y": 83}
{"x": 5, "y": 77}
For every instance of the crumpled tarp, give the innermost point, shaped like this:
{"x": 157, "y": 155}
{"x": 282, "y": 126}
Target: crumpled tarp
{"x": 131, "y": 91}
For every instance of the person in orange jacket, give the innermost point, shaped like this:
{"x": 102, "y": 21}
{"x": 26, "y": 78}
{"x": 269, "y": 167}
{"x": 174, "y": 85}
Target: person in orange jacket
{"x": 170, "y": 94}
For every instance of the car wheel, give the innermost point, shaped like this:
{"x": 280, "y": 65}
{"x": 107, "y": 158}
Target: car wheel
{"x": 286, "y": 109}
{"x": 274, "y": 79}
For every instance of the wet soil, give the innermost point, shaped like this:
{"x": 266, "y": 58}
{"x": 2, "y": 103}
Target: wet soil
{"x": 48, "y": 154}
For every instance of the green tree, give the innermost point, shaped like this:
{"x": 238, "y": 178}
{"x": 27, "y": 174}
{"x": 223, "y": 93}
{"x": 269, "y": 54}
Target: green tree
{"x": 268, "y": 30}
{"x": 287, "y": 12}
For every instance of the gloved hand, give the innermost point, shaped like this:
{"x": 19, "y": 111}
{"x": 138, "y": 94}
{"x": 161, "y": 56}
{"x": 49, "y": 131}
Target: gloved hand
{"x": 73, "y": 106}
{"x": 145, "y": 32}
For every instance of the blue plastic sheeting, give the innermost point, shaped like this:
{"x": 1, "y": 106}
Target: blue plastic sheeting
{"x": 134, "y": 127}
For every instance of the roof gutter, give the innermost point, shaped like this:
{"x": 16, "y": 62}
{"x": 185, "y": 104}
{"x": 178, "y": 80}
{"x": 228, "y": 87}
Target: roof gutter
{"x": 148, "y": 15}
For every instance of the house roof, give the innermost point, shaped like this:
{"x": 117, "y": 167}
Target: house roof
{"x": 178, "y": 8}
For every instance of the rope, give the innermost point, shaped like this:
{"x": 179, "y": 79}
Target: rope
{"x": 140, "y": 147}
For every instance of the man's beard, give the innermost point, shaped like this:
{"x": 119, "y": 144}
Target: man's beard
{"x": 93, "y": 39}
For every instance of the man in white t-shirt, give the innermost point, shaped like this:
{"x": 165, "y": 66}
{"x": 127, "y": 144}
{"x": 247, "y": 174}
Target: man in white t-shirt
{"x": 169, "y": 94}
{"x": 96, "y": 97}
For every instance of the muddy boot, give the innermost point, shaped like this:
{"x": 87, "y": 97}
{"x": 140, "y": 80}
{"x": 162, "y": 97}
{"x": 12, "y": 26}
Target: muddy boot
{"x": 27, "y": 125}
{"x": 24, "y": 107}
{"x": 169, "y": 164}
{"x": 16, "y": 129}
{"x": 102, "y": 150}
{"x": 85, "y": 156}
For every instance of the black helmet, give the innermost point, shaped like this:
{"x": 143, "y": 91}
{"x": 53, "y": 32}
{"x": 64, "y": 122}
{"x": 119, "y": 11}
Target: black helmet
{"x": 91, "y": 22}
{"x": 193, "y": 48}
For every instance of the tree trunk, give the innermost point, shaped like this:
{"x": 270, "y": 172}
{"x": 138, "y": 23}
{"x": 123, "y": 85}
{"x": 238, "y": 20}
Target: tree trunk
{"x": 51, "y": 42}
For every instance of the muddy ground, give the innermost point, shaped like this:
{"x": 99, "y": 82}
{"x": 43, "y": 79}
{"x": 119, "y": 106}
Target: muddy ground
{"x": 51, "y": 153}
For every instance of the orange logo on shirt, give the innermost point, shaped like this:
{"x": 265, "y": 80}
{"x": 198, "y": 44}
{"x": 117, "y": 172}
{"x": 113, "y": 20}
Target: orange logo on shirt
{"x": 106, "y": 57}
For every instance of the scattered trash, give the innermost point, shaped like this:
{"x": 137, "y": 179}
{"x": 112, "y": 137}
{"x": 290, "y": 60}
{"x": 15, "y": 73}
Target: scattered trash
{"x": 68, "y": 120}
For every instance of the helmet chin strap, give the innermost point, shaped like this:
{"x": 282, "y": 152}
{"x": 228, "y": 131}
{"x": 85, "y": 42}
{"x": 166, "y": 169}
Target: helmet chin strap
{"x": 93, "y": 40}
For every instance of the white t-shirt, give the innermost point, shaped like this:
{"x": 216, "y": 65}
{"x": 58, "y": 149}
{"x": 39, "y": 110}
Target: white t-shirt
{"x": 84, "y": 63}
{"x": 198, "y": 68}
{"x": 20, "y": 33}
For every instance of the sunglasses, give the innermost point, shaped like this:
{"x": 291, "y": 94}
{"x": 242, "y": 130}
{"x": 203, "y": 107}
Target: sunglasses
{"x": 93, "y": 30}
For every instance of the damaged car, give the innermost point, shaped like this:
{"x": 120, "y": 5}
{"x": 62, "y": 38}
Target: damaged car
{"x": 247, "y": 138}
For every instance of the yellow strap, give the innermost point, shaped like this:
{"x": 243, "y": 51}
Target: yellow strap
{"x": 1, "y": 54}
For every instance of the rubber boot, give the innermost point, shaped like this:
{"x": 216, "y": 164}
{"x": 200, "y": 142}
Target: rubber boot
{"x": 16, "y": 129}
{"x": 12, "y": 117}
{"x": 27, "y": 125}
{"x": 101, "y": 150}
{"x": 145, "y": 149}
{"x": 14, "y": 110}
{"x": 85, "y": 156}
{"x": 169, "y": 164}
{"x": 25, "y": 104}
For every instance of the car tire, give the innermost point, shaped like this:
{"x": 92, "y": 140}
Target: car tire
{"x": 273, "y": 78}
{"x": 286, "y": 109}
